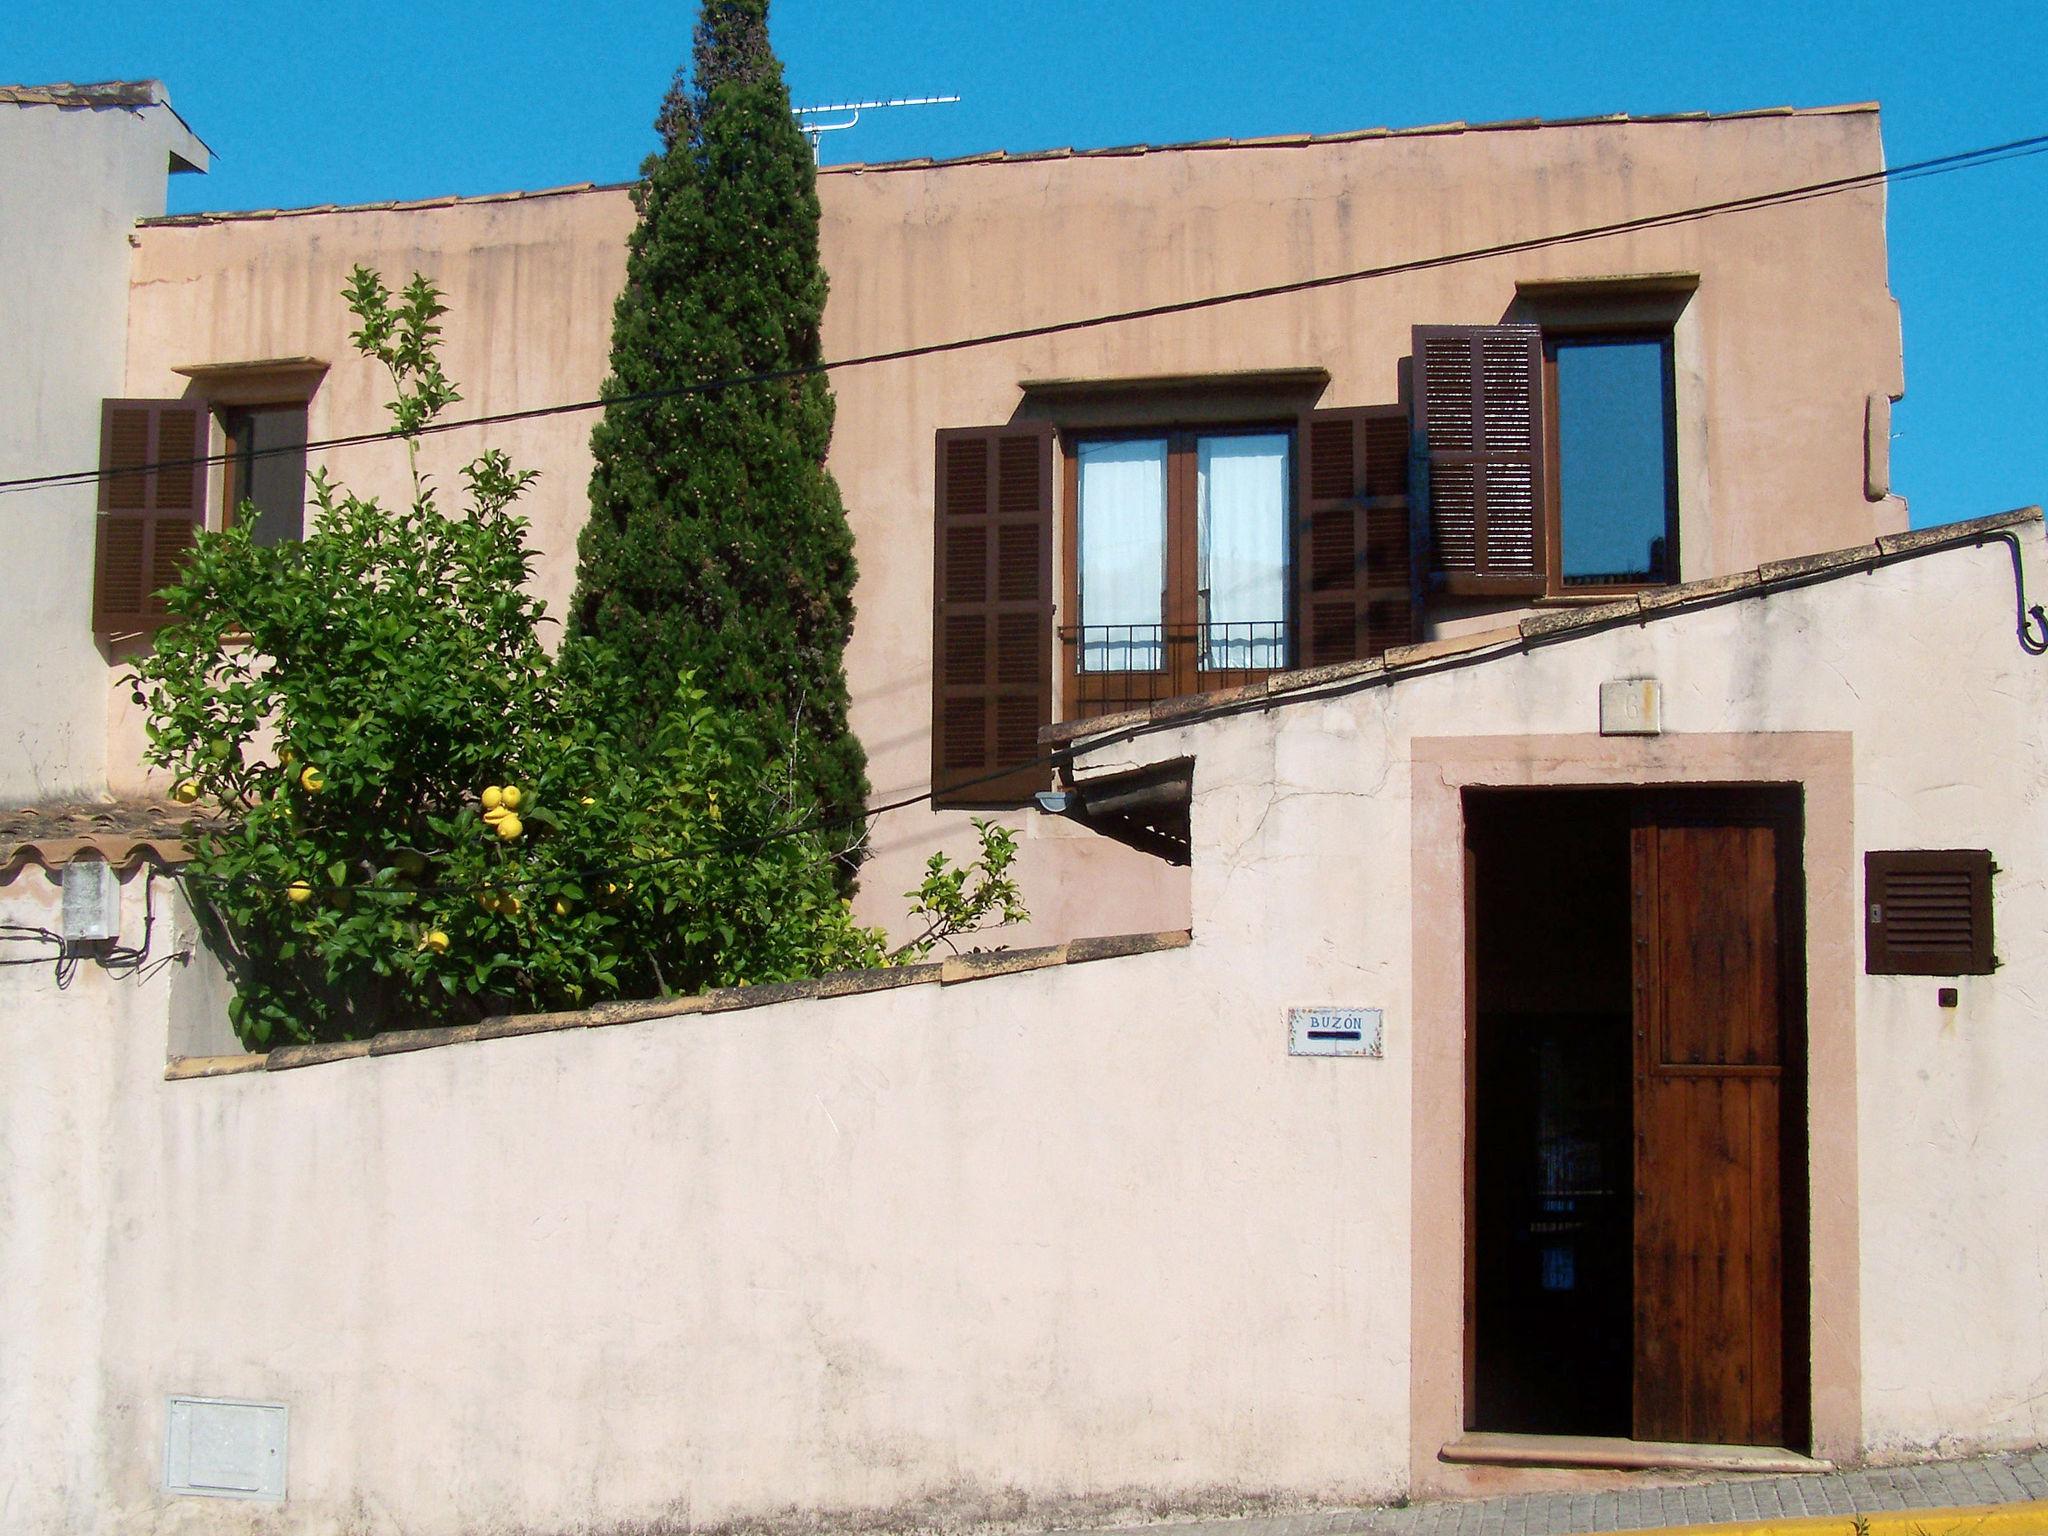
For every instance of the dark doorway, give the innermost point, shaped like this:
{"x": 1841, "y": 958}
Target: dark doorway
{"x": 1552, "y": 1188}
{"x": 1637, "y": 1197}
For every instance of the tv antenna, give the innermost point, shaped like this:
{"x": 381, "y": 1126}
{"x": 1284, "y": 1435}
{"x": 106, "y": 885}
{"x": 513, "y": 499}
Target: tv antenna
{"x": 817, "y": 131}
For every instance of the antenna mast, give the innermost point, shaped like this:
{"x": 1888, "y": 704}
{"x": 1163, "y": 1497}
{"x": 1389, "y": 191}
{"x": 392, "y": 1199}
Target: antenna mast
{"x": 817, "y": 131}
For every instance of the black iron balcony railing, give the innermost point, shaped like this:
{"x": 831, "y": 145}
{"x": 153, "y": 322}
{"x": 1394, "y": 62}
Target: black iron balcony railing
{"x": 1121, "y": 666}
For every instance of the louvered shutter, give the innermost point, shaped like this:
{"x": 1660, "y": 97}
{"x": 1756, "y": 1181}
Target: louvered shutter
{"x": 1478, "y": 392}
{"x": 992, "y": 614}
{"x": 1353, "y": 560}
{"x": 1927, "y": 912}
{"x": 152, "y": 504}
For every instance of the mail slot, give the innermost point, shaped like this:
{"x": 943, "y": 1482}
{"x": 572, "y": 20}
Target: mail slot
{"x": 1324, "y": 1031}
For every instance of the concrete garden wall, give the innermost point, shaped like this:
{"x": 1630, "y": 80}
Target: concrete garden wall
{"x": 1054, "y": 1236}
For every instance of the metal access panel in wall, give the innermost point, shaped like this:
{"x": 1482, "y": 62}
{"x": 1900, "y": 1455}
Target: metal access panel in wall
{"x": 223, "y": 1448}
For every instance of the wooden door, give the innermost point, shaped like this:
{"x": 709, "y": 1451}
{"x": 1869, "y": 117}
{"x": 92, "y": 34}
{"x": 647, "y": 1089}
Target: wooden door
{"x": 1718, "y": 1121}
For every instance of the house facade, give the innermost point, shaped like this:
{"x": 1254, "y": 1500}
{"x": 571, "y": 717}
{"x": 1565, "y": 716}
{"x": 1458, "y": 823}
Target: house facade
{"x": 1690, "y": 399}
{"x": 1518, "y": 993}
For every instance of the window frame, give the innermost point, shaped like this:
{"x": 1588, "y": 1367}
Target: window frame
{"x": 270, "y": 383}
{"x": 225, "y": 412}
{"x": 1601, "y": 330}
{"x": 1180, "y": 609}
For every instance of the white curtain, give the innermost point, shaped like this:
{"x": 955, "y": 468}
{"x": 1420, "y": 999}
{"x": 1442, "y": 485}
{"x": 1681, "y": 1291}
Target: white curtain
{"x": 1122, "y": 520}
{"x": 1244, "y": 550}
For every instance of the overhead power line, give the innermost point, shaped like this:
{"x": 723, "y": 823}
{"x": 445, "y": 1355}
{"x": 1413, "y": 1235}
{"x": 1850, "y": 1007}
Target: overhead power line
{"x": 1968, "y": 159}
{"x": 1938, "y": 165}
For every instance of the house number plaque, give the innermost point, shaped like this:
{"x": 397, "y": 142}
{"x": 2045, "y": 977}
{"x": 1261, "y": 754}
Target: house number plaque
{"x": 1333, "y": 1032}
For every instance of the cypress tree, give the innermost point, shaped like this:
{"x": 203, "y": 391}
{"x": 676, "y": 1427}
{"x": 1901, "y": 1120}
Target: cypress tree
{"x": 716, "y": 541}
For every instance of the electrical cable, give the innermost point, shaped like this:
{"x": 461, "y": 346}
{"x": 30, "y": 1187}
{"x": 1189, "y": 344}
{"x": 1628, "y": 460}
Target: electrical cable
{"x": 1937, "y": 165}
{"x": 1991, "y": 154}
{"x": 118, "y": 960}
{"x": 1056, "y": 756}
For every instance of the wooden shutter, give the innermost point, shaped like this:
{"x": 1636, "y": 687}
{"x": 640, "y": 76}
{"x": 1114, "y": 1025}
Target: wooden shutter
{"x": 152, "y": 505}
{"x": 1478, "y": 392}
{"x": 1927, "y": 912}
{"x": 1353, "y": 558}
{"x": 992, "y": 614}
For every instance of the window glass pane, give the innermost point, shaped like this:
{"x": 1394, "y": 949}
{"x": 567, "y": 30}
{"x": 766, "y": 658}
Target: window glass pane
{"x": 275, "y": 481}
{"x": 1243, "y": 521}
{"x": 1122, "y": 532}
{"x": 1614, "y": 460}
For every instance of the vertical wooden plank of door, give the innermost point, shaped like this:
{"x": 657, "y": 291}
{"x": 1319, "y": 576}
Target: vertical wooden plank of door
{"x": 1766, "y": 1199}
{"x": 1709, "y": 1277}
{"x": 1719, "y": 1264}
{"x": 1708, "y": 951}
{"x": 1659, "y": 1180}
{"x": 1794, "y": 1278}
{"x": 1470, "y": 1140}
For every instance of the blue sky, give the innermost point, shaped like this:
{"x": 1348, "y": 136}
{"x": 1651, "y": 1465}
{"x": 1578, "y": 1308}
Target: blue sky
{"x": 355, "y": 101}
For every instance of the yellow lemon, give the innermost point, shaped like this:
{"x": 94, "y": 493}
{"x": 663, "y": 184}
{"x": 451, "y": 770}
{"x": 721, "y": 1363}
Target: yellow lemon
{"x": 285, "y": 755}
{"x": 510, "y": 827}
{"x": 588, "y": 801}
{"x": 509, "y": 904}
{"x": 488, "y": 900}
{"x": 496, "y": 814}
{"x": 298, "y": 893}
{"x": 186, "y": 792}
{"x": 434, "y": 939}
{"x": 493, "y": 797}
{"x": 512, "y": 797}
{"x": 312, "y": 780}
{"x": 561, "y": 907}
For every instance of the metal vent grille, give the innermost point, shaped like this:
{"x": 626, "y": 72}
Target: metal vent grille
{"x": 1927, "y": 912}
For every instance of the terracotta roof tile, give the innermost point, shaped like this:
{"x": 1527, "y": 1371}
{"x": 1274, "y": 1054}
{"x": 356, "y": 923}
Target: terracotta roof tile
{"x": 99, "y": 93}
{"x": 122, "y": 832}
{"x": 1553, "y": 624}
{"x": 389, "y": 205}
{"x": 1026, "y": 157}
{"x": 977, "y": 965}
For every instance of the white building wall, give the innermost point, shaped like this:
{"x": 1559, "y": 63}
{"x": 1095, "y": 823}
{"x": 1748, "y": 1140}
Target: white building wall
{"x": 1051, "y": 1245}
{"x": 1303, "y": 826}
{"x": 73, "y": 181}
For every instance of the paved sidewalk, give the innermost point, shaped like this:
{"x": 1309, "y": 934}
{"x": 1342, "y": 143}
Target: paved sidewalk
{"x": 1929, "y": 1485}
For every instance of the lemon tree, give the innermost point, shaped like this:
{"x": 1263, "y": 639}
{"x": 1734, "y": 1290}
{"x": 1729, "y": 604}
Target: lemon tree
{"x": 426, "y": 817}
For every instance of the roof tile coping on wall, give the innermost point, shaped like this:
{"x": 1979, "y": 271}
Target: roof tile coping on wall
{"x": 952, "y": 970}
{"x": 414, "y": 205}
{"x": 1555, "y": 623}
{"x": 122, "y": 832}
{"x": 1034, "y": 156}
{"x": 97, "y": 93}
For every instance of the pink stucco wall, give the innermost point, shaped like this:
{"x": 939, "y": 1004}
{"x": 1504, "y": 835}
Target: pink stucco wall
{"x": 1791, "y": 328}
